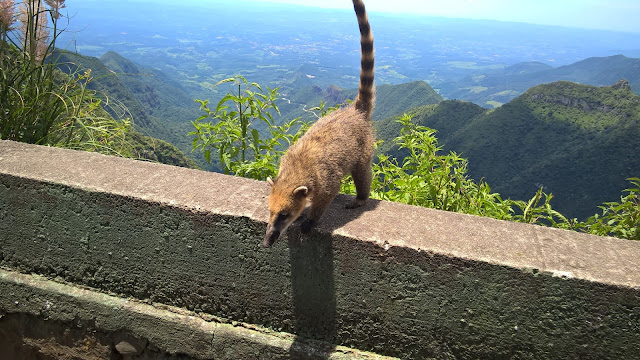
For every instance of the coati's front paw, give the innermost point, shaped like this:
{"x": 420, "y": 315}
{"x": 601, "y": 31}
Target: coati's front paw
{"x": 355, "y": 203}
{"x": 307, "y": 225}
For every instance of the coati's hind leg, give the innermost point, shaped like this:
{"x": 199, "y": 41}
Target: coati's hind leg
{"x": 362, "y": 178}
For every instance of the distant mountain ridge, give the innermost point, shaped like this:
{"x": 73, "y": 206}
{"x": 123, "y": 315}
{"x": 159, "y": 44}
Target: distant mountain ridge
{"x": 159, "y": 94}
{"x": 501, "y": 86}
{"x": 390, "y": 99}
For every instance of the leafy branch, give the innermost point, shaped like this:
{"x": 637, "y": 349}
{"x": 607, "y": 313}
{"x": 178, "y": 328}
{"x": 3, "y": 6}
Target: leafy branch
{"x": 230, "y": 130}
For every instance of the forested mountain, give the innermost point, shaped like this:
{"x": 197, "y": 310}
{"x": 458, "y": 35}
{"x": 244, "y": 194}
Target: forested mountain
{"x": 501, "y": 86}
{"x": 122, "y": 95}
{"x": 578, "y": 142}
{"x": 160, "y": 96}
{"x": 447, "y": 117}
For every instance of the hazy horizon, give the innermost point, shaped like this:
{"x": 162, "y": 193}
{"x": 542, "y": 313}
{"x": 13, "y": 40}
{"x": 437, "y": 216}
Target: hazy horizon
{"x": 613, "y": 15}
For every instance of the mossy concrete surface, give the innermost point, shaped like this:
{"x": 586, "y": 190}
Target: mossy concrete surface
{"x": 387, "y": 278}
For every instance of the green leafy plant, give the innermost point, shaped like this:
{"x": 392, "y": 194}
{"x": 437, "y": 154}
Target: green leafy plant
{"x": 619, "y": 219}
{"x": 426, "y": 178}
{"x": 39, "y": 103}
{"x": 233, "y": 133}
{"x": 533, "y": 212}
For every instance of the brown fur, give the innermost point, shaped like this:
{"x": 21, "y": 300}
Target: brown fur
{"x": 338, "y": 144}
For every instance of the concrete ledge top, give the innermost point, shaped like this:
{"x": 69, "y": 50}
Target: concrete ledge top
{"x": 527, "y": 247}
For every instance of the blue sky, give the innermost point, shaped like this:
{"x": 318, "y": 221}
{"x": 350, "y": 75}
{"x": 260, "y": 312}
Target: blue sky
{"x": 619, "y": 15}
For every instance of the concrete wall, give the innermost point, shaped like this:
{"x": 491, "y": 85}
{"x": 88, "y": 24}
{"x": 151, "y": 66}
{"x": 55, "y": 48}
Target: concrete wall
{"x": 154, "y": 253}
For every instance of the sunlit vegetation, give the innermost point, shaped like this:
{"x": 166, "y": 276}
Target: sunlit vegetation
{"x": 40, "y": 104}
{"x": 56, "y": 98}
{"x": 423, "y": 176}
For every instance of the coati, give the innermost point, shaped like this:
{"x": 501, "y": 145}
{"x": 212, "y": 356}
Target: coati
{"x": 337, "y": 144}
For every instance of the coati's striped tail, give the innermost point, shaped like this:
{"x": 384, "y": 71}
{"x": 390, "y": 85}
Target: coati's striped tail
{"x": 366, "y": 91}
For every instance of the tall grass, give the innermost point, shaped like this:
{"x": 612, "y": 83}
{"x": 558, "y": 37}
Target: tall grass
{"x": 40, "y": 104}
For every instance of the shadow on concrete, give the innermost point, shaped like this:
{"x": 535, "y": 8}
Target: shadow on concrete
{"x": 337, "y": 216}
{"x": 314, "y": 301}
{"x": 312, "y": 282}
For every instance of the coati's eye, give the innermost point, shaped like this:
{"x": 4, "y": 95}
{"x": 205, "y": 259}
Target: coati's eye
{"x": 282, "y": 217}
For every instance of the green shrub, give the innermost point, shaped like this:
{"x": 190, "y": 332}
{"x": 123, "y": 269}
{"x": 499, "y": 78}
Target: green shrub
{"x": 426, "y": 178}
{"x": 619, "y": 219}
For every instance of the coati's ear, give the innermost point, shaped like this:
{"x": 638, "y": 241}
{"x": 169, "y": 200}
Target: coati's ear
{"x": 301, "y": 191}
{"x": 270, "y": 181}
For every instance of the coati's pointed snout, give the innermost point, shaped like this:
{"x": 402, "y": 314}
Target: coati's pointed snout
{"x": 271, "y": 236}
